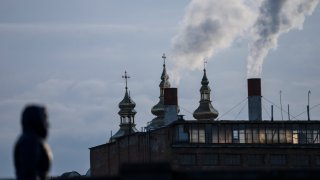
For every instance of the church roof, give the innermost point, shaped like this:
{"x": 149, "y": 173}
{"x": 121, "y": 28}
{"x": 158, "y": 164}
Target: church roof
{"x": 159, "y": 109}
{"x": 205, "y": 109}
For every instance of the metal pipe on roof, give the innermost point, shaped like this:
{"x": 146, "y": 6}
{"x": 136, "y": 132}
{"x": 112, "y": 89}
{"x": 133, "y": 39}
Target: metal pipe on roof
{"x": 254, "y": 99}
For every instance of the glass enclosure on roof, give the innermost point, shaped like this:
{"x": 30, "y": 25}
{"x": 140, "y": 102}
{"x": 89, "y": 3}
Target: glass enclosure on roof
{"x": 247, "y": 133}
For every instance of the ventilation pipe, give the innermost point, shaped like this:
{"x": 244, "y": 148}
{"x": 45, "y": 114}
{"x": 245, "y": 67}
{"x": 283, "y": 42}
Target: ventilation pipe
{"x": 171, "y": 105}
{"x": 254, "y": 99}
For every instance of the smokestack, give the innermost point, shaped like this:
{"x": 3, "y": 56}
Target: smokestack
{"x": 171, "y": 105}
{"x": 254, "y": 99}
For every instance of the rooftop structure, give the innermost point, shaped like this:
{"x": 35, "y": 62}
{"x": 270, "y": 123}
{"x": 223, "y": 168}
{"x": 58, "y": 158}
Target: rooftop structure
{"x": 205, "y": 144}
{"x": 126, "y": 113}
{"x": 205, "y": 111}
{"x": 159, "y": 109}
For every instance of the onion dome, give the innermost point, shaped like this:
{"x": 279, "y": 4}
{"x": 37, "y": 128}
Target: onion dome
{"x": 205, "y": 111}
{"x": 159, "y": 109}
{"x": 127, "y": 113}
{"x": 127, "y": 106}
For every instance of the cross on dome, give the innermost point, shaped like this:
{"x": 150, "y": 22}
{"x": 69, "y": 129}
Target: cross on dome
{"x": 126, "y": 77}
{"x": 205, "y": 61}
{"x": 164, "y": 58}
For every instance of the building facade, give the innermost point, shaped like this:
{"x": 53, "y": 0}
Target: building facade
{"x": 205, "y": 143}
{"x": 210, "y": 145}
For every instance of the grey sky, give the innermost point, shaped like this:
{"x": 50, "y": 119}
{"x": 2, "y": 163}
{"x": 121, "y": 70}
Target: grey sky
{"x": 70, "y": 56}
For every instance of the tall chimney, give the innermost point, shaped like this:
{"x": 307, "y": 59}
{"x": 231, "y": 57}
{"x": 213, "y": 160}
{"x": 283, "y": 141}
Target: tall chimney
{"x": 254, "y": 99}
{"x": 170, "y": 105}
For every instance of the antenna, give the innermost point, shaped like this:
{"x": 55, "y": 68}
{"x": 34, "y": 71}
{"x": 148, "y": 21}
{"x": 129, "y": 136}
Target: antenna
{"x": 308, "y": 110}
{"x": 288, "y": 112}
{"x": 271, "y": 112}
{"x": 281, "y": 105}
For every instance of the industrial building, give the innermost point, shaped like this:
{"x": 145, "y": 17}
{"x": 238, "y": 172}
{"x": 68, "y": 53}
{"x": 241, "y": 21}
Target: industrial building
{"x": 206, "y": 143}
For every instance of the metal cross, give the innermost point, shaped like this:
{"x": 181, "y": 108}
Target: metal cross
{"x": 164, "y": 58}
{"x": 126, "y": 78}
{"x": 205, "y": 61}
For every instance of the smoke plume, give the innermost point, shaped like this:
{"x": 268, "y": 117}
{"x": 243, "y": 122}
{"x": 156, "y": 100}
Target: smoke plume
{"x": 208, "y": 27}
{"x": 275, "y": 18}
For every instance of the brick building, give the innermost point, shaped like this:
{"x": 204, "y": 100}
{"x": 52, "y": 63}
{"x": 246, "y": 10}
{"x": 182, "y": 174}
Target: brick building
{"x": 205, "y": 143}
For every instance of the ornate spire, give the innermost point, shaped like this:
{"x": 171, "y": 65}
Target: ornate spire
{"x": 127, "y": 104}
{"x": 205, "y": 80}
{"x": 164, "y": 76}
{"x": 127, "y": 113}
{"x": 159, "y": 109}
{"x": 205, "y": 111}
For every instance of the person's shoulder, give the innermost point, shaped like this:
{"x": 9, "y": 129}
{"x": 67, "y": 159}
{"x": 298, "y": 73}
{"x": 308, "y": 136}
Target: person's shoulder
{"x": 29, "y": 140}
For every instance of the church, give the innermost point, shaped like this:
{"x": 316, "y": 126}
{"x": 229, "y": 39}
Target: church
{"x": 206, "y": 143}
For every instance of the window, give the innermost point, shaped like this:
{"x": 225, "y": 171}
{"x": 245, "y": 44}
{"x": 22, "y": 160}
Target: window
{"x": 262, "y": 135}
{"x": 255, "y": 159}
{"x": 187, "y": 159}
{"x": 269, "y": 136}
{"x": 242, "y": 136}
{"x": 193, "y": 135}
{"x": 302, "y": 136}
{"x": 202, "y": 135}
{"x": 295, "y": 137}
{"x": 310, "y": 135}
{"x": 181, "y": 135}
{"x": 222, "y": 134}
{"x": 208, "y": 159}
{"x": 255, "y": 135}
{"x": 289, "y": 136}
{"x": 317, "y": 160}
{"x": 248, "y": 135}
{"x": 301, "y": 160}
{"x": 282, "y": 136}
{"x": 197, "y": 134}
{"x": 231, "y": 159}
{"x": 229, "y": 136}
{"x": 278, "y": 159}
{"x": 235, "y": 136}
{"x": 272, "y": 135}
{"x": 316, "y": 138}
{"x": 215, "y": 134}
{"x": 205, "y": 96}
{"x": 275, "y": 135}
{"x": 126, "y": 119}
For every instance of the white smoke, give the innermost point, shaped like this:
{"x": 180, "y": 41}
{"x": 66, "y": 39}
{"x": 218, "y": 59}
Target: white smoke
{"x": 275, "y": 18}
{"x": 208, "y": 27}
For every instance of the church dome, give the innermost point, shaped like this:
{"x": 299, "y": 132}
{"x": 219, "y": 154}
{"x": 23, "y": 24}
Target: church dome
{"x": 127, "y": 105}
{"x": 127, "y": 113}
{"x": 205, "y": 111}
{"x": 159, "y": 109}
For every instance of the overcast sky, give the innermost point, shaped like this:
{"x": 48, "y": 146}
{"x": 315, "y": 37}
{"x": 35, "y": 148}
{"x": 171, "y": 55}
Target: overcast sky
{"x": 70, "y": 56}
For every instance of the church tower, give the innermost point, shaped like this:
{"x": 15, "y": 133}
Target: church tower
{"x": 205, "y": 111}
{"x": 126, "y": 113}
{"x": 159, "y": 109}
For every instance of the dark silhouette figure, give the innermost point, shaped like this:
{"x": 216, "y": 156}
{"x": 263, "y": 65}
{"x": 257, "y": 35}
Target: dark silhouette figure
{"x": 32, "y": 155}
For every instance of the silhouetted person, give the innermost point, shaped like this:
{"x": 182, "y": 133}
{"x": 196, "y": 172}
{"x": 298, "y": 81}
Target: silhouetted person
{"x": 32, "y": 155}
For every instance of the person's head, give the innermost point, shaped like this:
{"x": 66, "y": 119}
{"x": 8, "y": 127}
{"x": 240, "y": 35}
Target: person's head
{"x": 34, "y": 119}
